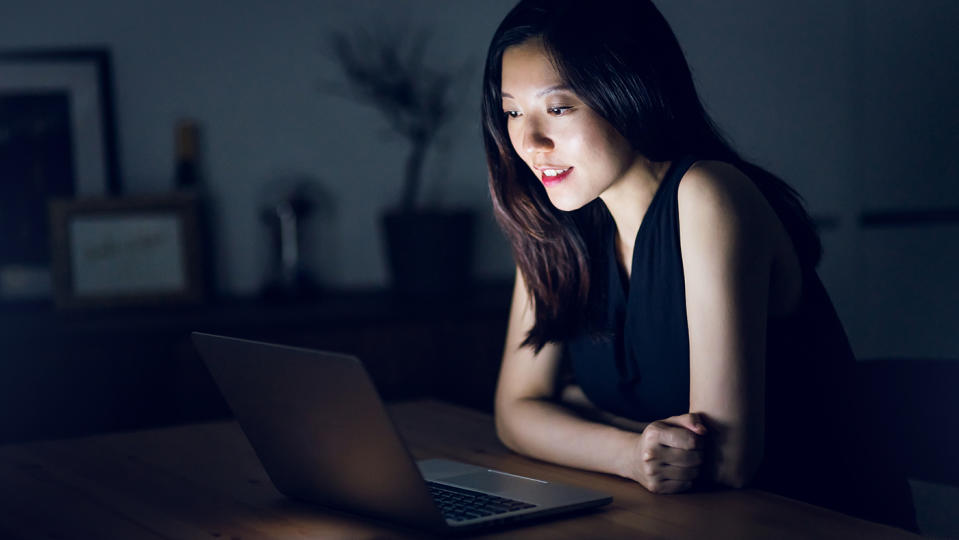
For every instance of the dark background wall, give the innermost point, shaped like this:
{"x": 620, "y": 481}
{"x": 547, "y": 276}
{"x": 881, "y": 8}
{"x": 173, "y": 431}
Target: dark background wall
{"x": 850, "y": 101}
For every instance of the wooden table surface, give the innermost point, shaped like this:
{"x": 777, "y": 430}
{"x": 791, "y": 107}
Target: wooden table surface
{"x": 204, "y": 481}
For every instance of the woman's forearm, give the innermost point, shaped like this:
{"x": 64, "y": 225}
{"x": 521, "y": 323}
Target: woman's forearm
{"x": 573, "y": 397}
{"x": 549, "y": 431}
{"x": 729, "y": 461}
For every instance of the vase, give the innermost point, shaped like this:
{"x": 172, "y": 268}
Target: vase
{"x": 429, "y": 252}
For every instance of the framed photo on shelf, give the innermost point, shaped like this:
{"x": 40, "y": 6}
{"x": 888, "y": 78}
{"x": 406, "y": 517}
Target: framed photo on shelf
{"x": 126, "y": 251}
{"x": 57, "y": 140}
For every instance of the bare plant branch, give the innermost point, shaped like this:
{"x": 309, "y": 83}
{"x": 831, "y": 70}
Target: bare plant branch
{"x": 388, "y": 71}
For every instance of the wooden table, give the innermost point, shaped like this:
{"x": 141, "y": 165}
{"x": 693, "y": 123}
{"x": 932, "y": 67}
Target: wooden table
{"x": 204, "y": 481}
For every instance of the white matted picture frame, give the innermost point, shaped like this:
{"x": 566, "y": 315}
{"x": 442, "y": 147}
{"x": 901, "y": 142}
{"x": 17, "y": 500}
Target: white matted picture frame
{"x": 126, "y": 251}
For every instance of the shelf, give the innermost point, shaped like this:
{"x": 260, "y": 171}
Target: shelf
{"x": 66, "y": 373}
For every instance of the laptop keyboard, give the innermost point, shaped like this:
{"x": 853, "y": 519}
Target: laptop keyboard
{"x": 458, "y": 504}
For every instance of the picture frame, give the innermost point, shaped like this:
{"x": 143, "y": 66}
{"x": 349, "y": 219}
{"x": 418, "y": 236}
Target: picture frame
{"x": 57, "y": 139}
{"x": 126, "y": 251}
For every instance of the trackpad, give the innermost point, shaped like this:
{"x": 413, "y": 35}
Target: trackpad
{"x": 506, "y": 485}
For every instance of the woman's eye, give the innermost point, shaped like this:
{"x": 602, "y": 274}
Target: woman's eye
{"x": 558, "y": 111}
{"x": 511, "y": 114}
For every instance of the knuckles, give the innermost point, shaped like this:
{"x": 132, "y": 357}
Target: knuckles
{"x": 659, "y": 432}
{"x": 665, "y": 444}
{"x": 653, "y": 433}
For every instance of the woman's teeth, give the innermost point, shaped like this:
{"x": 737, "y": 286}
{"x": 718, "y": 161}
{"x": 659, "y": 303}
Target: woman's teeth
{"x": 554, "y": 172}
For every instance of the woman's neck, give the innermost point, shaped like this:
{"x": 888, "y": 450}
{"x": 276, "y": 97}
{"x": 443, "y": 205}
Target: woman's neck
{"x": 629, "y": 198}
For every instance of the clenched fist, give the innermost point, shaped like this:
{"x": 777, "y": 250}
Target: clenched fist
{"x": 668, "y": 454}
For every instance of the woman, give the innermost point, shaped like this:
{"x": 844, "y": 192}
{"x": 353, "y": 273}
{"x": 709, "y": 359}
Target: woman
{"x": 675, "y": 279}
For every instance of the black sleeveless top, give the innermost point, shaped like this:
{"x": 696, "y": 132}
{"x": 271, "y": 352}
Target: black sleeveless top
{"x": 631, "y": 354}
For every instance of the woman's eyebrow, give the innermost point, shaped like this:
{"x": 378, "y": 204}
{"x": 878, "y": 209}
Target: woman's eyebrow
{"x": 543, "y": 92}
{"x": 552, "y": 89}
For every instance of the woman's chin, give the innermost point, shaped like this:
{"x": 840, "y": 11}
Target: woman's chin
{"x": 566, "y": 202}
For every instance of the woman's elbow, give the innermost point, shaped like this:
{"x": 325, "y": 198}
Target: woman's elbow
{"x": 502, "y": 433}
{"x": 737, "y": 479}
{"x": 740, "y": 467}
{"x": 503, "y": 430}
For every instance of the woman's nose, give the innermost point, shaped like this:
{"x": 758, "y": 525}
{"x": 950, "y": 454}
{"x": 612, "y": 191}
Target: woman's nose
{"x": 535, "y": 139}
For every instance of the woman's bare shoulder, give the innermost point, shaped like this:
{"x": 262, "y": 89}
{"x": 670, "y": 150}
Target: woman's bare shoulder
{"x": 719, "y": 204}
{"x": 722, "y": 192}
{"x": 717, "y": 182}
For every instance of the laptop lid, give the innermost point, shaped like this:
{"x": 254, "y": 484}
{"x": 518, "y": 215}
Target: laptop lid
{"x": 319, "y": 428}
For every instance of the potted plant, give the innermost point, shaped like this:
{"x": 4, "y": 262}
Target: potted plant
{"x": 428, "y": 248}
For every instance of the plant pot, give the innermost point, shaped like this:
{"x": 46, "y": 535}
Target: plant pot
{"x": 430, "y": 252}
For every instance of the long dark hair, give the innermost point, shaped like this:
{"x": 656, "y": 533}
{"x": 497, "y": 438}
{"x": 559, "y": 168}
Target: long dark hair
{"x": 623, "y": 60}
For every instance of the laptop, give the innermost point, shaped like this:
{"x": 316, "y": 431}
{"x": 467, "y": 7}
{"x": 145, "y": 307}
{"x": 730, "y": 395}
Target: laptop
{"x": 323, "y": 435}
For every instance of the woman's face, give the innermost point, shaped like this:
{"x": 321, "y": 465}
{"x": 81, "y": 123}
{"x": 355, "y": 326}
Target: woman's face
{"x": 575, "y": 153}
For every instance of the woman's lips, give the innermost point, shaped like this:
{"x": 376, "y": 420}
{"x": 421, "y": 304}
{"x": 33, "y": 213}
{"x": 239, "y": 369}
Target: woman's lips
{"x": 553, "y": 180}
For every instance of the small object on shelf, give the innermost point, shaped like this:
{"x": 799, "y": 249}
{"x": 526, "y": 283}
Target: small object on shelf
{"x": 188, "y": 179}
{"x": 289, "y": 279}
{"x": 187, "y": 176}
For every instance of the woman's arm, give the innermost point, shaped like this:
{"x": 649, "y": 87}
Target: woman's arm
{"x": 528, "y": 418}
{"x": 573, "y": 397}
{"x": 727, "y": 232}
{"x": 531, "y": 421}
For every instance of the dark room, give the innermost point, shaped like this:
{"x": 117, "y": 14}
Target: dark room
{"x": 503, "y": 268}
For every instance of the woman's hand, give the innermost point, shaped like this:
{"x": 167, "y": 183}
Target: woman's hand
{"x": 669, "y": 454}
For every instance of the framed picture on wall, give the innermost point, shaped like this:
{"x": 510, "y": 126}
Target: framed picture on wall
{"x": 57, "y": 140}
{"x": 126, "y": 251}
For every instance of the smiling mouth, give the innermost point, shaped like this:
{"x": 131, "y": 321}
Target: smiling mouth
{"x": 551, "y": 177}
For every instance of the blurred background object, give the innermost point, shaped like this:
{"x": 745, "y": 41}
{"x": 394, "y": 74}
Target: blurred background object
{"x": 292, "y": 202}
{"x": 188, "y": 179}
{"x": 127, "y": 251}
{"x": 428, "y": 248}
{"x": 57, "y": 139}
{"x": 187, "y": 176}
